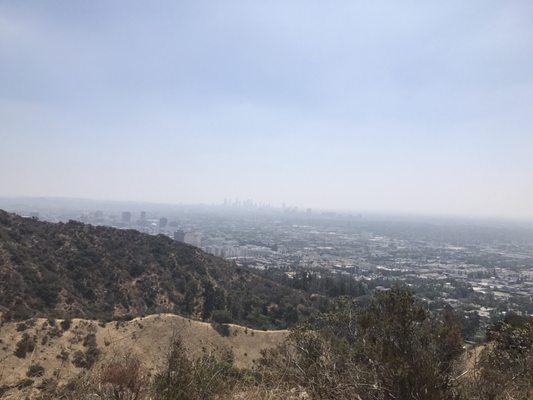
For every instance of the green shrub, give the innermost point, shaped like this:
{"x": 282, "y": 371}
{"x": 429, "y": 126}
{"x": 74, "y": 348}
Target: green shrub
{"x": 25, "y": 345}
{"x": 24, "y": 383}
{"x": 207, "y": 377}
{"x": 78, "y": 359}
{"x": 65, "y": 324}
{"x": 175, "y": 381}
{"x": 89, "y": 340}
{"x": 63, "y": 355}
{"x": 35, "y": 370}
{"x": 222, "y": 329}
{"x": 85, "y": 359}
{"x": 21, "y": 327}
{"x": 46, "y": 384}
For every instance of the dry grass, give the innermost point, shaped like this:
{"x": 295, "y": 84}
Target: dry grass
{"x": 146, "y": 338}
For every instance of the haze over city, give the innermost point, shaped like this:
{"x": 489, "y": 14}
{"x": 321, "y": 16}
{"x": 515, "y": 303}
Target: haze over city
{"x": 250, "y": 200}
{"x": 412, "y": 107}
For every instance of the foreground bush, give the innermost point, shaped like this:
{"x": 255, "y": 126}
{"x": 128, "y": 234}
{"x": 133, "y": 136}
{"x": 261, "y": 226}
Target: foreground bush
{"x": 123, "y": 379}
{"x": 505, "y": 367}
{"x": 200, "y": 379}
{"x": 393, "y": 349}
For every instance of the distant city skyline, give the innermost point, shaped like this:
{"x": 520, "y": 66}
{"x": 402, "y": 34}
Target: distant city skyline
{"x": 393, "y": 107}
{"x": 117, "y": 208}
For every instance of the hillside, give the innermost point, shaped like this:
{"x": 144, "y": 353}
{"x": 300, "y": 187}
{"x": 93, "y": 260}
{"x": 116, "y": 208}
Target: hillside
{"x": 57, "y": 349}
{"x": 93, "y": 272}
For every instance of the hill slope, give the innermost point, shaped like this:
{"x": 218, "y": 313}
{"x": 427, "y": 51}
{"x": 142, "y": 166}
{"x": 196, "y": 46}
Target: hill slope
{"x": 77, "y": 270}
{"x": 146, "y": 338}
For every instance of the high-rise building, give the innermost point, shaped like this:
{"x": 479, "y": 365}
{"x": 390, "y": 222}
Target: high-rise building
{"x": 143, "y": 216}
{"x": 179, "y": 236}
{"x": 126, "y": 217}
{"x": 163, "y": 222}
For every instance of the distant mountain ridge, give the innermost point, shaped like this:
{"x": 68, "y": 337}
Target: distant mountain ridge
{"x": 77, "y": 270}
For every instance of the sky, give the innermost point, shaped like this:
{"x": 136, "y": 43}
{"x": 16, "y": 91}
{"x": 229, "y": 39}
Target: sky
{"x": 383, "y": 106}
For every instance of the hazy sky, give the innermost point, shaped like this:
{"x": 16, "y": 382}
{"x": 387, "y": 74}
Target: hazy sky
{"x": 411, "y": 106}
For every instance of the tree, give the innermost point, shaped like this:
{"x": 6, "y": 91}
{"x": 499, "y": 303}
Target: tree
{"x": 505, "y": 369}
{"x": 393, "y": 349}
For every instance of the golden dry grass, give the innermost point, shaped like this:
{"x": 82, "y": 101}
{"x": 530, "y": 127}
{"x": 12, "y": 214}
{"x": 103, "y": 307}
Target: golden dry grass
{"x": 147, "y": 338}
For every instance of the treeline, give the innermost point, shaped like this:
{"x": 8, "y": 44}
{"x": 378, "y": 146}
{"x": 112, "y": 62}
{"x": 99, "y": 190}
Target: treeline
{"x": 323, "y": 283}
